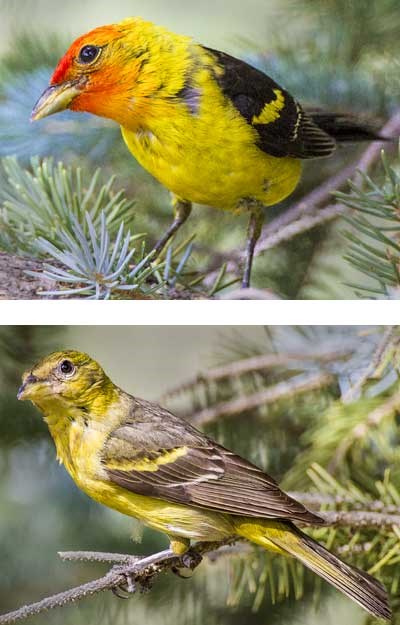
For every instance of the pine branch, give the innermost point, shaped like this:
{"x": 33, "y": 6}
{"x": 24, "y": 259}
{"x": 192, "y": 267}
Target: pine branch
{"x": 294, "y": 386}
{"x": 360, "y": 519}
{"x": 361, "y": 430}
{"x": 257, "y": 363}
{"x": 312, "y": 209}
{"x": 15, "y": 283}
{"x": 318, "y": 197}
{"x": 318, "y": 499}
{"x": 375, "y": 364}
{"x": 301, "y": 225}
{"x": 134, "y": 573}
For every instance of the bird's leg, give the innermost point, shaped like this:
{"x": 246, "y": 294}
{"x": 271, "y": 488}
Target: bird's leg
{"x": 253, "y": 234}
{"x": 182, "y": 210}
{"x": 190, "y": 559}
{"x": 179, "y": 545}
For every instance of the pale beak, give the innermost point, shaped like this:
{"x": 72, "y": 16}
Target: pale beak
{"x": 24, "y": 390}
{"x": 55, "y": 98}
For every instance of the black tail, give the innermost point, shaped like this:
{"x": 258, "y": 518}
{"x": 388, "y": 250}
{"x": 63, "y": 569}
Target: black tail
{"x": 345, "y": 128}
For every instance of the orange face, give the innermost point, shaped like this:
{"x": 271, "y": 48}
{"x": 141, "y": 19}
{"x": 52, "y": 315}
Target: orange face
{"x": 98, "y": 74}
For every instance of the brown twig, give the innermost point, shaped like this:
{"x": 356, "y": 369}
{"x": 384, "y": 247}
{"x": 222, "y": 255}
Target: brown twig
{"x": 264, "y": 362}
{"x": 303, "y": 224}
{"x": 309, "y": 212}
{"x": 318, "y": 197}
{"x": 294, "y": 386}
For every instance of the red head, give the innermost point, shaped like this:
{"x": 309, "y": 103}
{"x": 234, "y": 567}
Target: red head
{"x": 100, "y": 72}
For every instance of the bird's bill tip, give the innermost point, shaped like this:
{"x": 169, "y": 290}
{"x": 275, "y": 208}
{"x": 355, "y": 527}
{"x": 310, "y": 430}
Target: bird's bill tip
{"x": 24, "y": 391}
{"x": 55, "y": 99}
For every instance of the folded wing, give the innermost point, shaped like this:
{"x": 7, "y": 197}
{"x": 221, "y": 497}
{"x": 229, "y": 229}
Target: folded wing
{"x": 179, "y": 464}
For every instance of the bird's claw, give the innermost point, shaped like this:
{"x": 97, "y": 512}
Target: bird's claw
{"x": 118, "y": 591}
{"x": 191, "y": 559}
{"x": 129, "y": 587}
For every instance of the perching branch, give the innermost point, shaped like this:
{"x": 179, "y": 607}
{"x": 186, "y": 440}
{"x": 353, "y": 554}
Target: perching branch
{"x": 316, "y": 500}
{"x": 14, "y": 281}
{"x": 312, "y": 210}
{"x": 134, "y": 573}
{"x": 289, "y": 388}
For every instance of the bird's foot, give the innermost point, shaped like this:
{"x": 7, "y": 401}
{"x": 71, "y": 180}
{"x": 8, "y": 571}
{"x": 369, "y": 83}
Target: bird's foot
{"x": 131, "y": 584}
{"x": 125, "y": 589}
{"x": 190, "y": 560}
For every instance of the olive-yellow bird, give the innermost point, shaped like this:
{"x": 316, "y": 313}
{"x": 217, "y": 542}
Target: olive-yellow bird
{"x": 211, "y": 128}
{"x": 136, "y": 457}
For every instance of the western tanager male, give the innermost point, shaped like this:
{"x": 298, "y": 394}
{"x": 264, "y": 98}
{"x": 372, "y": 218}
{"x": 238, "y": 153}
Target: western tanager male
{"x": 135, "y": 456}
{"x": 211, "y": 128}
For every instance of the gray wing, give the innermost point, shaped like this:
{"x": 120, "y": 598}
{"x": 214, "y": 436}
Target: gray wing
{"x": 159, "y": 455}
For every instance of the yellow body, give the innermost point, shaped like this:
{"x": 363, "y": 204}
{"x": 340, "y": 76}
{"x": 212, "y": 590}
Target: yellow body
{"x": 78, "y": 448}
{"x": 209, "y": 156}
{"x": 162, "y": 89}
{"x": 80, "y": 440}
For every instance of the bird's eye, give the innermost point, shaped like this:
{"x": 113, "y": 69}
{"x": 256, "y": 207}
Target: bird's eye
{"x": 67, "y": 368}
{"x": 88, "y": 54}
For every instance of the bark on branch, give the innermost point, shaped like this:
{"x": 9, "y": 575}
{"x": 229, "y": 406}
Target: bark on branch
{"x": 296, "y": 385}
{"x": 315, "y": 208}
{"x": 264, "y": 362}
{"x": 134, "y": 572}
{"x": 15, "y": 283}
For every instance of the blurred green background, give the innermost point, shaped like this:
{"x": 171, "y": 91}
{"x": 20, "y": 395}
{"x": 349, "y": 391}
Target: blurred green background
{"x": 214, "y": 22}
{"x": 334, "y": 54}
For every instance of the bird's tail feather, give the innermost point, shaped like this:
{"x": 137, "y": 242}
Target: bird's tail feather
{"x": 345, "y": 128}
{"x": 288, "y": 539}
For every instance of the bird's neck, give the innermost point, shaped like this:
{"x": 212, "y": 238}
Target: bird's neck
{"x": 68, "y": 421}
{"x": 145, "y": 90}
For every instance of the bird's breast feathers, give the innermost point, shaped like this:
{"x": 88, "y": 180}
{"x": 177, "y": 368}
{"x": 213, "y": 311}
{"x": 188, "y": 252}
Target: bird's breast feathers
{"x": 204, "y": 143}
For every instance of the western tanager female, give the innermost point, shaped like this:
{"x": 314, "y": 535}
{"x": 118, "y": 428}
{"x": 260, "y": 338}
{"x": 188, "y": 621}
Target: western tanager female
{"x": 211, "y": 128}
{"x": 136, "y": 457}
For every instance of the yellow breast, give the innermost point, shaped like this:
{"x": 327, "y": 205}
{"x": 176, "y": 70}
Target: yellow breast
{"x": 78, "y": 448}
{"x": 205, "y": 152}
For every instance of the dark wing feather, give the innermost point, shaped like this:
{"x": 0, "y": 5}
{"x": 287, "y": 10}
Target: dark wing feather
{"x": 184, "y": 466}
{"x": 292, "y": 133}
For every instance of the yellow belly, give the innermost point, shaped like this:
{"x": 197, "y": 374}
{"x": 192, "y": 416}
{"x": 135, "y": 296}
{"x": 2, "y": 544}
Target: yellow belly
{"x": 76, "y": 448}
{"x": 172, "y": 519}
{"x": 211, "y": 157}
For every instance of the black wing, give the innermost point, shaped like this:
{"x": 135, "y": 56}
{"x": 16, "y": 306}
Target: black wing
{"x": 159, "y": 455}
{"x": 284, "y": 129}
